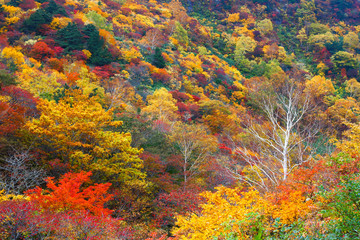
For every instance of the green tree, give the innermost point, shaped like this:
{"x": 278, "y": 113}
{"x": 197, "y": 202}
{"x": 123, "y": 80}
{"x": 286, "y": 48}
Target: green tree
{"x": 181, "y": 34}
{"x": 53, "y": 8}
{"x": 158, "y": 59}
{"x": 34, "y": 22}
{"x": 100, "y": 55}
{"x": 70, "y": 38}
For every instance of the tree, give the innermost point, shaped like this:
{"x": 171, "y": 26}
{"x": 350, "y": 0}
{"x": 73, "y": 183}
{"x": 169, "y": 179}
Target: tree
{"x": 154, "y": 38}
{"x": 100, "y": 55}
{"x": 351, "y": 40}
{"x": 195, "y": 146}
{"x": 70, "y": 38}
{"x": 271, "y": 149}
{"x": 235, "y": 214}
{"x": 158, "y": 59}
{"x": 265, "y": 26}
{"x": 17, "y": 174}
{"x": 161, "y": 105}
{"x": 41, "y": 51}
{"x": 180, "y": 34}
{"x": 69, "y": 194}
{"x": 36, "y": 20}
{"x": 73, "y": 130}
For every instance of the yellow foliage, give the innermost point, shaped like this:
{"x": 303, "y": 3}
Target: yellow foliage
{"x": 95, "y": 7}
{"x": 38, "y": 82}
{"x": 12, "y": 55}
{"x": 59, "y": 22}
{"x": 233, "y": 211}
{"x": 87, "y": 53}
{"x": 161, "y": 105}
{"x": 174, "y": 41}
{"x": 13, "y": 11}
{"x": 168, "y": 58}
{"x": 9, "y": 197}
{"x": 351, "y": 143}
{"x": 319, "y": 86}
{"x": 74, "y": 128}
{"x": 144, "y": 20}
{"x": 82, "y": 17}
{"x": 131, "y": 54}
{"x": 235, "y": 17}
{"x": 88, "y": 82}
{"x": 289, "y": 210}
{"x": 353, "y": 87}
{"x": 265, "y": 26}
{"x": 192, "y": 63}
{"x": 222, "y": 206}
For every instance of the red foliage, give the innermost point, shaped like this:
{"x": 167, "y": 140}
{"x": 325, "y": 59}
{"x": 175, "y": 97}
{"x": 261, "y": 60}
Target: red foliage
{"x": 79, "y": 55}
{"x": 196, "y": 98}
{"x": 176, "y": 202}
{"x": 112, "y": 5}
{"x": 343, "y": 73}
{"x": 67, "y": 195}
{"x": 41, "y": 50}
{"x": 201, "y": 79}
{"x": 56, "y": 64}
{"x": 3, "y": 41}
{"x": 11, "y": 118}
{"x": 13, "y": 113}
{"x": 125, "y": 11}
{"x": 18, "y": 218}
{"x": 322, "y": 55}
{"x": 220, "y": 72}
{"x": 156, "y": 171}
{"x": 161, "y": 76}
{"x": 182, "y": 107}
{"x": 161, "y": 126}
{"x": 180, "y": 96}
{"x": 106, "y": 71}
{"x": 22, "y": 219}
{"x": 27, "y": 4}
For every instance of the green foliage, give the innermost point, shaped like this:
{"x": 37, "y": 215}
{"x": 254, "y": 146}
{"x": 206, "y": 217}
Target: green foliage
{"x": 53, "y": 8}
{"x": 181, "y": 34}
{"x": 100, "y": 55}
{"x": 317, "y": 28}
{"x": 344, "y": 209}
{"x": 99, "y": 21}
{"x": 70, "y": 38}
{"x": 34, "y": 22}
{"x": 344, "y": 60}
{"x": 158, "y": 59}
{"x": 6, "y": 79}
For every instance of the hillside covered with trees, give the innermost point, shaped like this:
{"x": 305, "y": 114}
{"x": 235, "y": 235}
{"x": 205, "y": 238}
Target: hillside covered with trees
{"x": 181, "y": 119}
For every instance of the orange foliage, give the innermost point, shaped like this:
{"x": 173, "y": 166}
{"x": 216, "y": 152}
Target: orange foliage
{"x": 67, "y": 195}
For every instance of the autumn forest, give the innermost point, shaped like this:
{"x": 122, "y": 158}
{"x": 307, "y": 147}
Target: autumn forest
{"x": 179, "y": 119}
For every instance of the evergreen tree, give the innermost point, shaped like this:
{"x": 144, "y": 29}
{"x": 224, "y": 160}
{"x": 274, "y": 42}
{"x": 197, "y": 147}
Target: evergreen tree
{"x": 158, "y": 59}
{"x": 100, "y": 55}
{"x": 53, "y": 8}
{"x": 34, "y": 22}
{"x": 70, "y": 38}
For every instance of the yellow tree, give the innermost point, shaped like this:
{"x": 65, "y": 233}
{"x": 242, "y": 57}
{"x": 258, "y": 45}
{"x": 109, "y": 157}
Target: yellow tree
{"x": 195, "y": 146}
{"x": 161, "y": 105}
{"x": 73, "y": 128}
